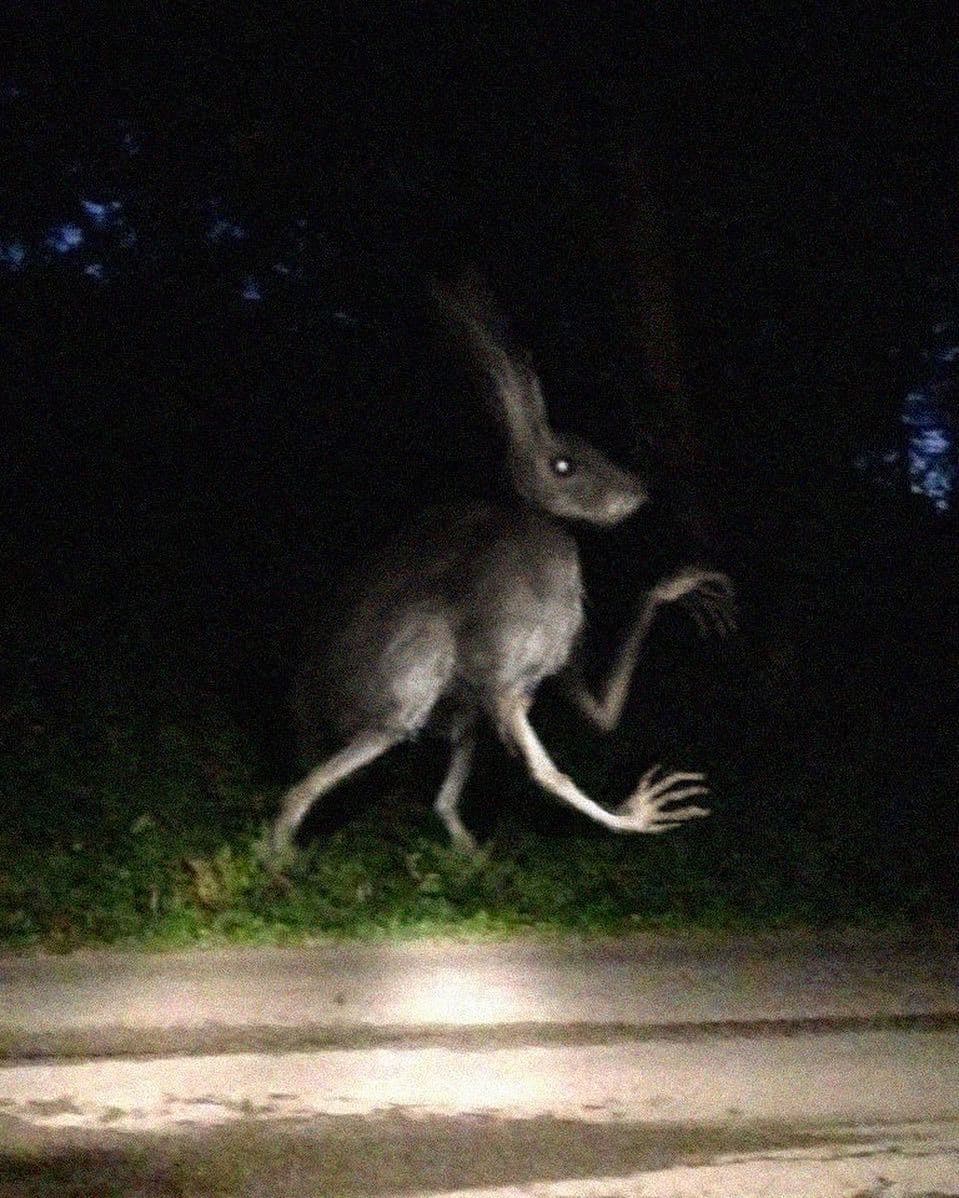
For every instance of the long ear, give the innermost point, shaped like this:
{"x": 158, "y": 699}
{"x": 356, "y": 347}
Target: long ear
{"x": 518, "y": 400}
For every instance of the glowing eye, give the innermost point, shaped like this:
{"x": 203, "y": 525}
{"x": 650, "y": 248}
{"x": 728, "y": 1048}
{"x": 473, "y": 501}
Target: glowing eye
{"x": 563, "y": 466}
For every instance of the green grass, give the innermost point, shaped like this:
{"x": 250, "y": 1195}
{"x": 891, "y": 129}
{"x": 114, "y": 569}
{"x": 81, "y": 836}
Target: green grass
{"x": 123, "y": 829}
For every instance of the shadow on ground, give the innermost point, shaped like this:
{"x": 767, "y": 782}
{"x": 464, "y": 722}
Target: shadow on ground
{"x": 393, "y": 1153}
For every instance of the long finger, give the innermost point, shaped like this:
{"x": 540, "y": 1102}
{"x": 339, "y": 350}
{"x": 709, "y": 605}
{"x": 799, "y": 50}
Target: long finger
{"x": 722, "y": 614}
{"x": 687, "y": 792}
{"x": 703, "y": 626}
{"x": 678, "y": 818}
{"x": 705, "y": 601}
{"x": 669, "y": 780}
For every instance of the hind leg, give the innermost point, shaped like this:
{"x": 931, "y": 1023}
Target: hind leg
{"x": 447, "y": 800}
{"x": 392, "y": 694}
{"x": 298, "y": 800}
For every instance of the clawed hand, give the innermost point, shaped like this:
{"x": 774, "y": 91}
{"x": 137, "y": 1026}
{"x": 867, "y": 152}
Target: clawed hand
{"x": 708, "y": 596}
{"x": 644, "y": 810}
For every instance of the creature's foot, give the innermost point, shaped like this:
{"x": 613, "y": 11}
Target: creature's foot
{"x": 275, "y": 850}
{"x": 644, "y": 810}
{"x": 463, "y": 841}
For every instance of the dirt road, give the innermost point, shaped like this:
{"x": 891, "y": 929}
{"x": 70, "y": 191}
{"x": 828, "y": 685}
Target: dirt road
{"x": 644, "y": 1067}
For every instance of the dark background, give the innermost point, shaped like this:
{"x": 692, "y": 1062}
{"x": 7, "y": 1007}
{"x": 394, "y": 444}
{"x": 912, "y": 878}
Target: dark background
{"x": 231, "y": 387}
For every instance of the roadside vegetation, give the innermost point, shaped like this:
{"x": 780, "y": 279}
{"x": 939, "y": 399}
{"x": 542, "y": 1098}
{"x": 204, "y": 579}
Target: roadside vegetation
{"x": 135, "y": 801}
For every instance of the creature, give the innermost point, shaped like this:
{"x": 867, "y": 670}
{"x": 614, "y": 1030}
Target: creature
{"x": 464, "y": 615}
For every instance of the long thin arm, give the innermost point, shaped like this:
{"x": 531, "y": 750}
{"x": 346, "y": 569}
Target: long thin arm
{"x": 710, "y": 597}
{"x": 645, "y": 810}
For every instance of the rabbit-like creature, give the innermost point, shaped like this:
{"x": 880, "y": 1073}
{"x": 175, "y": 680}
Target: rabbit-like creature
{"x": 467, "y": 612}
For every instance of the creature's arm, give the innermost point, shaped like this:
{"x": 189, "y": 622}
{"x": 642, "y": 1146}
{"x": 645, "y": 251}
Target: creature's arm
{"x": 708, "y": 596}
{"x": 651, "y": 807}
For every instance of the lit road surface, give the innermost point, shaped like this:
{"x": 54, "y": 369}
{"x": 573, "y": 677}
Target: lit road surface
{"x": 654, "y": 1067}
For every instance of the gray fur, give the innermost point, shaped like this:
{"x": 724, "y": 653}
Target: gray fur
{"x": 469, "y": 609}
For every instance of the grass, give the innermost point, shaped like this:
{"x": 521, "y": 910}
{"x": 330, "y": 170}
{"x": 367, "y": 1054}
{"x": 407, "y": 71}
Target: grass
{"x": 126, "y": 830}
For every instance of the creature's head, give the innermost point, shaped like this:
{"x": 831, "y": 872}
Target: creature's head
{"x": 559, "y": 474}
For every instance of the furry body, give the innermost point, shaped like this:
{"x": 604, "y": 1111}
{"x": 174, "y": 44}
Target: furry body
{"x": 468, "y": 603}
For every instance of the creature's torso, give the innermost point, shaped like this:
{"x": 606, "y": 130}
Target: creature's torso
{"x": 468, "y": 603}
{"x": 525, "y": 606}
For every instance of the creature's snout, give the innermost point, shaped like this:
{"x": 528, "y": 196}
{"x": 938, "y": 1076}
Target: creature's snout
{"x": 625, "y": 503}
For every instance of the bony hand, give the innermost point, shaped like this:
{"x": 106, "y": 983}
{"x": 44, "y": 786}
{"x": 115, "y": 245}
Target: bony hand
{"x": 707, "y": 595}
{"x": 644, "y": 810}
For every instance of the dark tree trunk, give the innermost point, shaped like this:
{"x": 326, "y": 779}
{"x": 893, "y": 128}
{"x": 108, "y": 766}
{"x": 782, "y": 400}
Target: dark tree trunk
{"x": 634, "y": 249}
